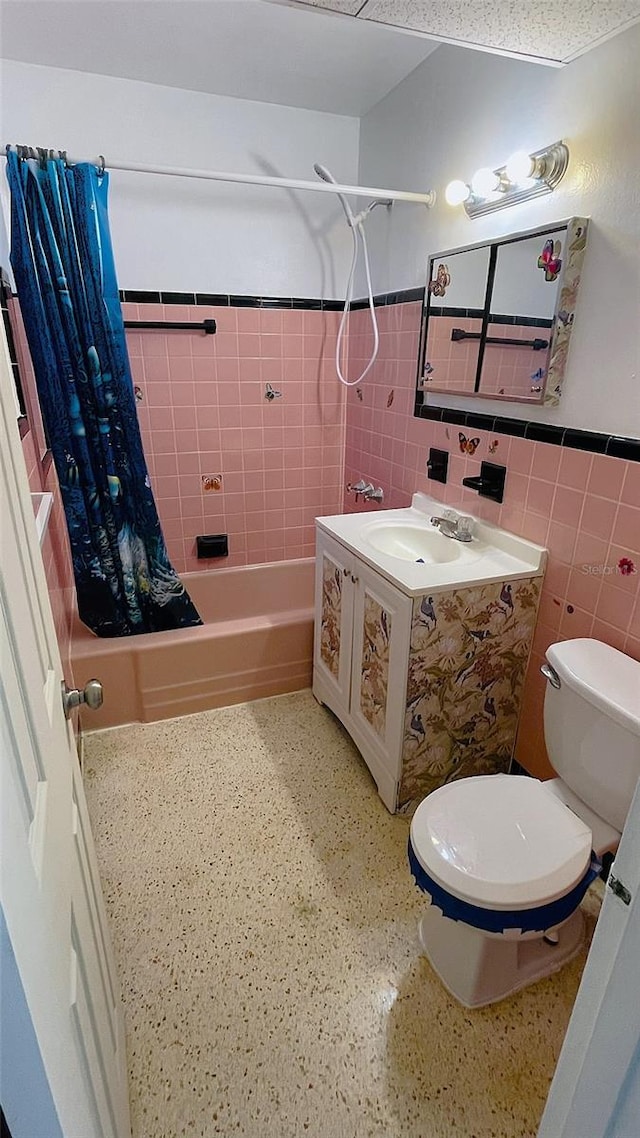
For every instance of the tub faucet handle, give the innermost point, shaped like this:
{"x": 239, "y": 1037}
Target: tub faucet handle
{"x": 358, "y": 488}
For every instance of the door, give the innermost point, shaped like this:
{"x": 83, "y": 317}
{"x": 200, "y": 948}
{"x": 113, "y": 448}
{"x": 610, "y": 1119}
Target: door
{"x": 381, "y": 631}
{"x": 333, "y": 624}
{"x": 49, "y": 884}
{"x": 595, "y": 1091}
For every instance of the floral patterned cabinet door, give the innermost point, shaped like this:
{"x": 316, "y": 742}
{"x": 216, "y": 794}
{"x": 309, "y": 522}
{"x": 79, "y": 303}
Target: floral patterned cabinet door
{"x": 381, "y": 632}
{"x": 334, "y": 620}
{"x": 467, "y": 663}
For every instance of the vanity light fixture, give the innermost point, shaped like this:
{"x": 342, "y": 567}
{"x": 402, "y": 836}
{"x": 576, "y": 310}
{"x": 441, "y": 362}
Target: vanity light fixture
{"x": 522, "y": 177}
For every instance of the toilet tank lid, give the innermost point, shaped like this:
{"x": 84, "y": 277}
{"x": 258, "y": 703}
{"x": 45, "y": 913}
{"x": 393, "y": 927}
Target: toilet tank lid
{"x": 605, "y": 677}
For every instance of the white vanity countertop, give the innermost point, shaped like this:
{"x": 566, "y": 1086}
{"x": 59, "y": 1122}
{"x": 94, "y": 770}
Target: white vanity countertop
{"x": 493, "y": 555}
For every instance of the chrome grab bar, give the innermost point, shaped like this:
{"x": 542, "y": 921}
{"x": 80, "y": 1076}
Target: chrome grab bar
{"x": 551, "y": 675}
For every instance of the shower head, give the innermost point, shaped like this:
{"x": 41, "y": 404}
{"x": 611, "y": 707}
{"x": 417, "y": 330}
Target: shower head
{"x": 323, "y": 173}
{"x": 327, "y": 176}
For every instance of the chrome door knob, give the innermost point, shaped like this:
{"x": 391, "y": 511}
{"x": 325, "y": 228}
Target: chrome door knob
{"x": 92, "y": 695}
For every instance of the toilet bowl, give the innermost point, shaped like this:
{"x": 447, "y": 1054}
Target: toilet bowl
{"x": 505, "y": 859}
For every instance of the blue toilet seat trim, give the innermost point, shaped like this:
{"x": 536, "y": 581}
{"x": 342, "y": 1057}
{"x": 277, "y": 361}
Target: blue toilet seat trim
{"x": 498, "y": 920}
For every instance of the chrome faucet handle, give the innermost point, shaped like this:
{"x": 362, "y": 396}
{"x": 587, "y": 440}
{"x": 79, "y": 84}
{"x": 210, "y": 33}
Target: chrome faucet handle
{"x": 371, "y": 495}
{"x": 454, "y": 529}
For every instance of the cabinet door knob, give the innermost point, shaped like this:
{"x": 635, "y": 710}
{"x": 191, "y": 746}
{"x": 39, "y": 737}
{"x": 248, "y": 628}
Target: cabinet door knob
{"x": 354, "y": 579}
{"x": 346, "y": 572}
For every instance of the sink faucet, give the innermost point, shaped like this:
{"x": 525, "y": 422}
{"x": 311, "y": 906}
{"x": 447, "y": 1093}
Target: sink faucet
{"x": 450, "y": 527}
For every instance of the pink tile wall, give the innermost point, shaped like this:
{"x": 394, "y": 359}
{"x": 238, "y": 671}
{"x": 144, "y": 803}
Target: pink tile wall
{"x": 584, "y": 508}
{"x": 378, "y": 412}
{"x": 204, "y": 412}
{"x": 454, "y": 362}
{"x": 510, "y": 370}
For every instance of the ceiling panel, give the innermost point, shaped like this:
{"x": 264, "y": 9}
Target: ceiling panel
{"x": 553, "y": 31}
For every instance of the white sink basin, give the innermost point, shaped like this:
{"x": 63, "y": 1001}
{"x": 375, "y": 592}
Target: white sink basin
{"x": 410, "y": 552}
{"x": 412, "y": 542}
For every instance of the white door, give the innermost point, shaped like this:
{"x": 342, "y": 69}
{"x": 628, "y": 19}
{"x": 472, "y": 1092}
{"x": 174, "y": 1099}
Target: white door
{"x": 49, "y": 883}
{"x": 595, "y": 1091}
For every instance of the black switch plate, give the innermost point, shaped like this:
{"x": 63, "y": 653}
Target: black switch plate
{"x": 437, "y": 464}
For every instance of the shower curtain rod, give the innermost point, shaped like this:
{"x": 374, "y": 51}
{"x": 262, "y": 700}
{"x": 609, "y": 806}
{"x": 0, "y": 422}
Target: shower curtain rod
{"x": 427, "y": 199}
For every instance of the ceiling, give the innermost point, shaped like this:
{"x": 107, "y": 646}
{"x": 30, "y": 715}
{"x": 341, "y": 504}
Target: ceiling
{"x": 549, "y": 31}
{"x": 245, "y": 49}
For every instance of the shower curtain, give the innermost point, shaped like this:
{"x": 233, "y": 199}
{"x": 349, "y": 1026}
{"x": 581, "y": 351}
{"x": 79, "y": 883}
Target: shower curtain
{"x": 63, "y": 263}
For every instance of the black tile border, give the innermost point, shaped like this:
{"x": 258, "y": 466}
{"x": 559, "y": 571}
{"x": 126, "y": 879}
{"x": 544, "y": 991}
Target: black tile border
{"x": 235, "y": 300}
{"x": 493, "y": 318}
{"x": 457, "y": 313}
{"x": 520, "y": 321}
{"x": 616, "y": 446}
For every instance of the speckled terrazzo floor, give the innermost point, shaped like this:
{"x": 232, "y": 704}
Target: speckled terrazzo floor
{"x": 265, "y": 930}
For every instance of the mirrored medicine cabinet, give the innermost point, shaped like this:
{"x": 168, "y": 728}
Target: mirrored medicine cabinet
{"x": 498, "y": 316}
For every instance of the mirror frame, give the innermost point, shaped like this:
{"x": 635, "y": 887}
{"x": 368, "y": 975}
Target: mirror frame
{"x": 577, "y": 229}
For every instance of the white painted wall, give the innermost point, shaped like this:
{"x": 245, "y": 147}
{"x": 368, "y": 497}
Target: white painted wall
{"x": 460, "y": 110}
{"x": 177, "y": 234}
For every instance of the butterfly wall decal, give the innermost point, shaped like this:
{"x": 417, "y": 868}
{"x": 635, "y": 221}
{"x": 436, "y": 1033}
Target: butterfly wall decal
{"x": 468, "y": 446}
{"x": 442, "y": 281}
{"x": 549, "y": 260}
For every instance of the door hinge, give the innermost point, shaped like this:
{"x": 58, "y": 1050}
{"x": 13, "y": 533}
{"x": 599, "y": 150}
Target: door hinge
{"x": 619, "y": 890}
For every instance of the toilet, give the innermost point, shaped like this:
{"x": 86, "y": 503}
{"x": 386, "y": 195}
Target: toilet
{"x": 506, "y": 860}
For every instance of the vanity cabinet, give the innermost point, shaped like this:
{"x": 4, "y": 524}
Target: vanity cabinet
{"x": 361, "y": 646}
{"x": 429, "y": 687}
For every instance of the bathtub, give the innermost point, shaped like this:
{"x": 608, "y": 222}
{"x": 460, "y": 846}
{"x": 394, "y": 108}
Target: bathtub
{"x": 256, "y": 641}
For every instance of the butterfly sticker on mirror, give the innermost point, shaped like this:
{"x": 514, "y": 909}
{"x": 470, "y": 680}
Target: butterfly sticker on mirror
{"x": 549, "y": 260}
{"x": 468, "y": 446}
{"x": 442, "y": 281}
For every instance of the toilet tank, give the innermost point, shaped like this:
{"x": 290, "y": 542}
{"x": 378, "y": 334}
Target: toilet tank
{"x": 592, "y": 725}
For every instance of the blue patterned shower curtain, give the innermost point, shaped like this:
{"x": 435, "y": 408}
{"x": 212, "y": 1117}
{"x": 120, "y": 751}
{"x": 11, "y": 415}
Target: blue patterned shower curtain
{"x": 63, "y": 263}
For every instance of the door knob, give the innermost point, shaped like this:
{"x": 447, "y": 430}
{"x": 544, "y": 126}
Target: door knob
{"x": 92, "y": 695}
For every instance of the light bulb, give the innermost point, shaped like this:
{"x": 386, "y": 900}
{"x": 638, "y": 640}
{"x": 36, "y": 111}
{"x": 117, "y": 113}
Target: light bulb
{"x": 519, "y": 167}
{"x": 457, "y": 192}
{"x": 484, "y": 182}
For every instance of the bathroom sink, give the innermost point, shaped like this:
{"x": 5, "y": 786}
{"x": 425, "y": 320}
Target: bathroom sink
{"x": 415, "y": 556}
{"x": 412, "y": 542}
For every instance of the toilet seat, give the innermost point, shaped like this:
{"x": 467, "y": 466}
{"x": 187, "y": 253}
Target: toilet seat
{"x": 500, "y": 842}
